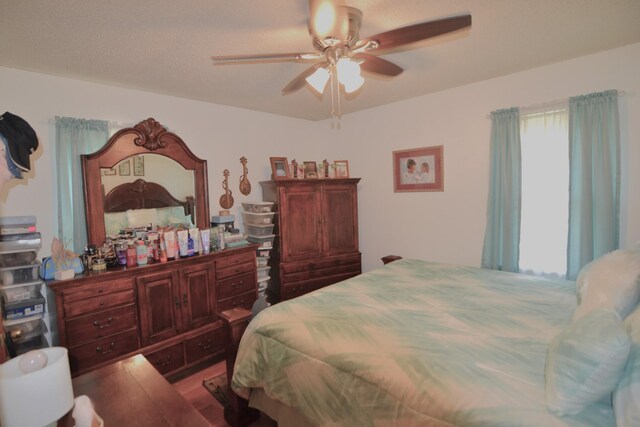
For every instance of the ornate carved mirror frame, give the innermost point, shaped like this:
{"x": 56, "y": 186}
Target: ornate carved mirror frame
{"x": 147, "y": 137}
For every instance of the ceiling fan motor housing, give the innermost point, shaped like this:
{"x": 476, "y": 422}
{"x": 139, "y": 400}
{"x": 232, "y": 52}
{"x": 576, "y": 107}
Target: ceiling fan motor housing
{"x": 352, "y": 35}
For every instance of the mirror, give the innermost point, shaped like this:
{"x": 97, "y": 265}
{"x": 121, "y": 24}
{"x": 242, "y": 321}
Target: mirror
{"x": 143, "y": 167}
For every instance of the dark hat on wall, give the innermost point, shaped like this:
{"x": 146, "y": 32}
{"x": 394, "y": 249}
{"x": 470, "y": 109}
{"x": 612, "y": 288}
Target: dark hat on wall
{"x": 21, "y": 139}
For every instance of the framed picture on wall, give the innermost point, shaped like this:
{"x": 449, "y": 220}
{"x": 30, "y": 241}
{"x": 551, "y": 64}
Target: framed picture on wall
{"x": 124, "y": 169}
{"x": 138, "y": 166}
{"x": 279, "y": 168}
{"x": 106, "y": 172}
{"x": 418, "y": 169}
{"x": 342, "y": 168}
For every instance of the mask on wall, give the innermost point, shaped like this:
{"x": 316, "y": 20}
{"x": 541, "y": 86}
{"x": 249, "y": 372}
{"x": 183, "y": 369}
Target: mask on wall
{"x": 18, "y": 142}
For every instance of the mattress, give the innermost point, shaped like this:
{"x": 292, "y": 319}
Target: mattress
{"x": 414, "y": 344}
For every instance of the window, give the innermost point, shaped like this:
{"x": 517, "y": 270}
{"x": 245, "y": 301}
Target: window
{"x": 545, "y": 191}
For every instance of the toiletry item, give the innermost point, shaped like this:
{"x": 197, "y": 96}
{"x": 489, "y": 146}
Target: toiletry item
{"x": 221, "y": 242}
{"x": 205, "y": 239}
{"x": 142, "y": 253}
{"x": 190, "y": 246}
{"x": 194, "y": 233}
{"x": 163, "y": 249}
{"x": 131, "y": 254}
{"x": 121, "y": 252}
{"x": 170, "y": 243}
{"x": 183, "y": 242}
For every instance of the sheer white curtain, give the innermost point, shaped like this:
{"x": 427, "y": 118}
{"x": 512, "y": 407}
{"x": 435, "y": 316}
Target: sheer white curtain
{"x": 545, "y": 190}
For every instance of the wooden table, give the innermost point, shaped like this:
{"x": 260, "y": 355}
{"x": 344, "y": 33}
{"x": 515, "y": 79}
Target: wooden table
{"x": 132, "y": 393}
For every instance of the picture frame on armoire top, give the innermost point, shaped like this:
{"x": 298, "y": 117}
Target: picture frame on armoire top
{"x": 342, "y": 168}
{"x": 279, "y": 168}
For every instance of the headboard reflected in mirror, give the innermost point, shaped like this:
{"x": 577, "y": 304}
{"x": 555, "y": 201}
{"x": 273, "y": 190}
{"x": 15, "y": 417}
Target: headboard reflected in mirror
{"x": 147, "y": 137}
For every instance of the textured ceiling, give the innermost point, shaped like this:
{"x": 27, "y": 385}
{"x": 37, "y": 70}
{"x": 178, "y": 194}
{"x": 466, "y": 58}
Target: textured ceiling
{"x": 165, "y": 46}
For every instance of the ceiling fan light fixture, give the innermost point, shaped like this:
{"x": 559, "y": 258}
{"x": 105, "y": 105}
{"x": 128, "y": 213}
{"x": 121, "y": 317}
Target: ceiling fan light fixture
{"x": 318, "y": 80}
{"x": 353, "y": 85}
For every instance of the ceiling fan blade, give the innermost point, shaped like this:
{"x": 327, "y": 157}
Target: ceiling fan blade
{"x": 269, "y": 57}
{"x": 413, "y": 33}
{"x": 299, "y": 82}
{"x": 373, "y": 64}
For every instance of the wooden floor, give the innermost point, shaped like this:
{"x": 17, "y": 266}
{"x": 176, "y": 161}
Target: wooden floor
{"x": 193, "y": 391}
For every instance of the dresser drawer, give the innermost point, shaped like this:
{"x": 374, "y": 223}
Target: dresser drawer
{"x": 97, "y": 289}
{"x": 323, "y": 273}
{"x": 204, "y": 345}
{"x": 234, "y": 265}
{"x": 98, "y": 303}
{"x": 243, "y": 300}
{"x": 321, "y": 264}
{"x": 236, "y": 285}
{"x": 101, "y": 351}
{"x": 167, "y": 359}
{"x": 100, "y": 324}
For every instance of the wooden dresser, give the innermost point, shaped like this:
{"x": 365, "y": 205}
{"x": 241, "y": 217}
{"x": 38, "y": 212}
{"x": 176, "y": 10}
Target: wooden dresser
{"x": 316, "y": 234}
{"x": 168, "y": 311}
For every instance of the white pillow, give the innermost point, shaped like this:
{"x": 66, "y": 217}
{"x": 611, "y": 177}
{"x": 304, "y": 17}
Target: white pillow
{"x": 142, "y": 217}
{"x": 115, "y": 222}
{"x": 611, "y": 281}
{"x": 626, "y": 396}
{"x": 173, "y": 215}
{"x": 585, "y": 362}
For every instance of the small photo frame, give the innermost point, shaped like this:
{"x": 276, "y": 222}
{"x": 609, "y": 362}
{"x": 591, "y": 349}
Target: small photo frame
{"x": 342, "y": 168}
{"x": 124, "y": 169}
{"x": 310, "y": 170}
{"x": 107, "y": 172}
{"x": 297, "y": 172}
{"x": 418, "y": 169}
{"x": 279, "y": 168}
{"x": 138, "y": 166}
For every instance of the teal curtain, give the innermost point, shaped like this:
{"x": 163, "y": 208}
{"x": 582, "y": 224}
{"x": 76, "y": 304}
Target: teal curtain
{"x": 594, "y": 182}
{"x": 73, "y": 138}
{"x": 501, "y": 250}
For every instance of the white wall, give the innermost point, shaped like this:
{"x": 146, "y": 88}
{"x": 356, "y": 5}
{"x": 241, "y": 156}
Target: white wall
{"x": 219, "y": 134}
{"x": 449, "y": 226}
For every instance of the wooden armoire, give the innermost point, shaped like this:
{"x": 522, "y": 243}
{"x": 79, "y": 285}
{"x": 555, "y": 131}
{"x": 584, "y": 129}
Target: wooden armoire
{"x": 316, "y": 231}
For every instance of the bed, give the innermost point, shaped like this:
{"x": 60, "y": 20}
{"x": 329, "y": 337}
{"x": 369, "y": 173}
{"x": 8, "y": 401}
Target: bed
{"x": 412, "y": 344}
{"x": 141, "y": 202}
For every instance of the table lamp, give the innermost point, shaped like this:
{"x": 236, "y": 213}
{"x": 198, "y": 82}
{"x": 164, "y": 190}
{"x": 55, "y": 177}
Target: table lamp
{"x": 35, "y": 388}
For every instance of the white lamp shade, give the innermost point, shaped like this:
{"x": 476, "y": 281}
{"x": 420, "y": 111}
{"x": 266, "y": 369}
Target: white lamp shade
{"x": 36, "y": 398}
{"x": 353, "y": 84}
{"x": 318, "y": 80}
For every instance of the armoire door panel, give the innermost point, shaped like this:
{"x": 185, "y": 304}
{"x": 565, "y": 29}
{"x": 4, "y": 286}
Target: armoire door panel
{"x": 340, "y": 223}
{"x": 198, "y": 295}
{"x": 301, "y": 219}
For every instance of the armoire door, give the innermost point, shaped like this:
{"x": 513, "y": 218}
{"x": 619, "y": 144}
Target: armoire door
{"x": 198, "y": 295}
{"x": 159, "y": 305}
{"x": 339, "y": 219}
{"x": 300, "y": 223}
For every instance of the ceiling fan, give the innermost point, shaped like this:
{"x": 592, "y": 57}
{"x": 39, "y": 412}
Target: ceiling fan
{"x": 340, "y": 54}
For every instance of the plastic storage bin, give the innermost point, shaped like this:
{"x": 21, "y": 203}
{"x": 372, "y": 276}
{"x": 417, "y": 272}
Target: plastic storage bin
{"x": 263, "y": 272}
{"x": 20, "y": 274}
{"x": 251, "y": 218}
{"x": 35, "y": 343}
{"x": 266, "y": 242}
{"x": 16, "y": 293}
{"x": 263, "y": 283}
{"x": 263, "y": 252}
{"x": 20, "y": 242}
{"x": 24, "y": 308}
{"x": 25, "y": 329}
{"x": 14, "y": 259}
{"x": 258, "y": 207}
{"x": 262, "y": 261}
{"x": 258, "y": 230}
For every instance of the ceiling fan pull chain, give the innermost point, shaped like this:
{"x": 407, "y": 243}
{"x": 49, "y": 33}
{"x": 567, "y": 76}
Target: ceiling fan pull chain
{"x": 335, "y": 94}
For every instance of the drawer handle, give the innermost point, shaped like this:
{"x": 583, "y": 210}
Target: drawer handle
{"x": 205, "y": 346}
{"x": 177, "y": 302}
{"x": 101, "y": 303}
{"x": 100, "y": 350}
{"x": 237, "y": 285}
{"x": 185, "y": 300}
{"x": 99, "y": 324}
{"x": 165, "y": 362}
{"x": 237, "y": 303}
{"x": 100, "y": 290}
